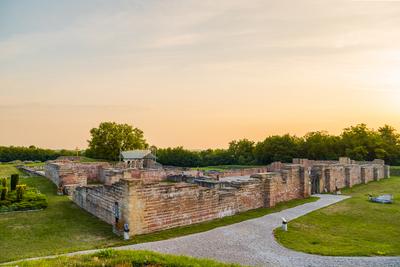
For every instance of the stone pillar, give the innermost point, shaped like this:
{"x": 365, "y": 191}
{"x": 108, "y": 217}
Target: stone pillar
{"x": 132, "y": 208}
{"x": 347, "y": 177}
{"x": 363, "y": 175}
{"x": 327, "y": 181}
{"x": 375, "y": 173}
{"x": 387, "y": 171}
{"x": 268, "y": 187}
{"x": 305, "y": 181}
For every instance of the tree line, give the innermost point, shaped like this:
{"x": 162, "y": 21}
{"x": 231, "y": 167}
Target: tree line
{"x": 31, "y": 153}
{"x": 357, "y": 142}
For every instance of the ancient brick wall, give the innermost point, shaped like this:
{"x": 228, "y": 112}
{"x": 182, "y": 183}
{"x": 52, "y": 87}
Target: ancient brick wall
{"x": 99, "y": 200}
{"x": 238, "y": 172}
{"x": 367, "y": 173}
{"x": 379, "y": 172}
{"x": 159, "y": 206}
{"x": 51, "y": 171}
{"x": 149, "y": 205}
{"x": 288, "y": 184}
{"x": 149, "y": 175}
{"x": 72, "y": 173}
{"x": 337, "y": 178}
{"x": 90, "y": 171}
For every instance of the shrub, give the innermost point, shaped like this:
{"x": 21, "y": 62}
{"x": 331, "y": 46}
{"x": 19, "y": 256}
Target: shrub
{"x": 106, "y": 253}
{"x": 20, "y": 191}
{"x": 23, "y": 198}
{"x": 3, "y": 188}
{"x": 14, "y": 181}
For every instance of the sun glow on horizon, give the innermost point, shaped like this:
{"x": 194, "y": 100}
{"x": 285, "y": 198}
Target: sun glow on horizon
{"x": 195, "y": 73}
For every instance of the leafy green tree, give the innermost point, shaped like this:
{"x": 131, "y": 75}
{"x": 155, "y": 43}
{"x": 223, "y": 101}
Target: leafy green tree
{"x": 12, "y": 153}
{"x": 278, "y": 148}
{"x": 361, "y": 143}
{"x": 390, "y": 150}
{"x": 242, "y": 151}
{"x": 321, "y": 146}
{"x": 215, "y": 157}
{"x": 110, "y": 138}
{"x": 179, "y": 156}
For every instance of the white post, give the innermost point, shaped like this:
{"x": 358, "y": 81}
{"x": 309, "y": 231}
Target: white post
{"x": 284, "y": 224}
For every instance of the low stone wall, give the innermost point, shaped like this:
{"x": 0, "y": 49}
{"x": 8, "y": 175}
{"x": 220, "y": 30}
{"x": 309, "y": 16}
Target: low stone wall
{"x": 234, "y": 172}
{"x": 338, "y": 176}
{"x": 149, "y": 204}
{"x": 292, "y": 182}
{"x": 99, "y": 200}
{"x": 32, "y": 171}
{"x": 154, "y": 206}
{"x": 66, "y": 174}
{"x": 367, "y": 173}
{"x": 160, "y": 206}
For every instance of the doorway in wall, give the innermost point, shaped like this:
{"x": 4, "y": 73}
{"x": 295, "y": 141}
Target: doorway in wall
{"x": 315, "y": 184}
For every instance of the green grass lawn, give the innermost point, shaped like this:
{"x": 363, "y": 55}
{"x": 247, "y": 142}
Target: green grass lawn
{"x": 125, "y": 258}
{"x": 7, "y": 169}
{"x": 395, "y": 170}
{"x": 353, "y": 227}
{"x": 64, "y": 227}
{"x": 61, "y": 227}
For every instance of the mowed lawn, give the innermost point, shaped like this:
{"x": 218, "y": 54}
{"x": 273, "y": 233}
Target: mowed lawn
{"x": 61, "y": 227}
{"x": 354, "y": 227}
{"x": 64, "y": 227}
{"x": 125, "y": 258}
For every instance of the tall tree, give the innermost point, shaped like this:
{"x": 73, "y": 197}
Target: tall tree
{"x": 242, "y": 151}
{"x": 277, "y": 148}
{"x": 361, "y": 143}
{"x": 320, "y": 145}
{"x": 110, "y": 138}
{"x": 390, "y": 144}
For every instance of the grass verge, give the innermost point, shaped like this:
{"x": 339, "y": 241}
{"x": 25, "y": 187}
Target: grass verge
{"x": 123, "y": 258}
{"x": 353, "y": 227}
{"x": 63, "y": 227}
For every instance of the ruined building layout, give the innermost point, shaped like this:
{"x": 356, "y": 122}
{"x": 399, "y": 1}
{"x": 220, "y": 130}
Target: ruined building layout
{"x": 159, "y": 198}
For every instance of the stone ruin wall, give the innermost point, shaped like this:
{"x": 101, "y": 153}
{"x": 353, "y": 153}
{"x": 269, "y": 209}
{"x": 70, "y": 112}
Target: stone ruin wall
{"x": 148, "y": 204}
{"x": 153, "y": 206}
{"x": 338, "y": 176}
{"x": 72, "y": 174}
{"x": 289, "y": 184}
{"x": 233, "y": 172}
{"x": 161, "y": 206}
{"x": 51, "y": 171}
{"x": 99, "y": 200}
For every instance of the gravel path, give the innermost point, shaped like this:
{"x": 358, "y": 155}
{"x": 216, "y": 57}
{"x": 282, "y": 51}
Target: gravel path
{"x": 252, "y": 243}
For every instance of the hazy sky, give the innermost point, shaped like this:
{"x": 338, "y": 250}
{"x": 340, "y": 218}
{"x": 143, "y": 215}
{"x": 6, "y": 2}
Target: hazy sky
{"x": 195, "y": 73}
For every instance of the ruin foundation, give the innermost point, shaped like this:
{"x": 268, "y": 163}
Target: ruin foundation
{"x": 150, "y": 200}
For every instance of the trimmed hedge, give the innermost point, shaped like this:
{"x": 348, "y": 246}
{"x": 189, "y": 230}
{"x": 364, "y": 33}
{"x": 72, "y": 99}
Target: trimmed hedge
{"x": 31, "y": 200}
{"x": 14, "y": 181}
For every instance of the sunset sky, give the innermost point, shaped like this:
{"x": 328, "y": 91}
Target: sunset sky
{"x": 195, "y": 73}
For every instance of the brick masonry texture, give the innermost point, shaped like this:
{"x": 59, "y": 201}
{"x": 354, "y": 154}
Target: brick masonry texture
{"x": 148, "y": 202}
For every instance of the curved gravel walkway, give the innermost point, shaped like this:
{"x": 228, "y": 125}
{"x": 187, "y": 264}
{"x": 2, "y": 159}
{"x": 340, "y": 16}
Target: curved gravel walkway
{"x": 252, "y": 243}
